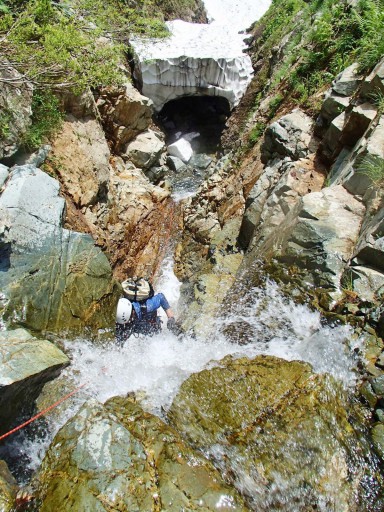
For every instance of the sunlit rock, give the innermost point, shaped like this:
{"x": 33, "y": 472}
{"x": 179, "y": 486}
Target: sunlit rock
{"x": 4, "y": 173}
{"x": 347, "y": 82}
{"x": 275, "y": 193}
{"x": 26, "y": 364}
{"x": 125, "y": 113}
{"x": 118, "y": 457}
{"x": 145, "y": 150}
{"x": 290, "y": 136}
{"x": 278, "y": 431}
{"x": 194, "y": 60}
{"x": 181, "y": 149}
{"x": 311, "y": 238}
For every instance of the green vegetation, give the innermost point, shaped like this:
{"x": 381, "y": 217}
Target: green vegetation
{"x": 274, "y": 104}
{"x": 5, "y": 120}
{"x": 373, "y": 167}
{"x": 46, "y": 118}
{"x": 256, "y": 132}
{"x": 62, "y": 45}
{"x": 377, "y": 98}
{"x": 68, "y": 45}
{"x": 339, "y": 34}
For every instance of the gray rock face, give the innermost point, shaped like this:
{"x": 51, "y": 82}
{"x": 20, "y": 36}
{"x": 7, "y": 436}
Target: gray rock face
{"x": 4, "y": 173}
{"x": 51, "y": 278}
{"x": 374, "y": 82}
{"x": 347, "y": 82}
{"x": 118, "y": 457}
{"x": 289, "y": 136}
{"x": 15, "y": 111}
{"x": 26, "y": 364}
{"x": 145, "y": 150}
{"x": 125, "y": 113}
{"x": 275, "y": 193}
{"x": 319, "y": 235}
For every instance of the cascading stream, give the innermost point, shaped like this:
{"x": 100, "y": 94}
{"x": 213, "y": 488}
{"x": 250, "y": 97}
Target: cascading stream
{"x": 155, "y": 367}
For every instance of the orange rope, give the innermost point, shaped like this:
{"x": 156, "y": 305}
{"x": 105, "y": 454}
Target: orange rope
{"x": 41, "y": 413}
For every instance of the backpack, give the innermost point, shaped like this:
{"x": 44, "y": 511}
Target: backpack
{"x": 137, "y": 289}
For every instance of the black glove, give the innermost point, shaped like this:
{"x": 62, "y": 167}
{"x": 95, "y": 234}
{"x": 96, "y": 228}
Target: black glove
{"x": 173, "y": 327}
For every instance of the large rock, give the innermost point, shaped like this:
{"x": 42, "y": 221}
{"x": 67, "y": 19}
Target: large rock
{"x": 279, "y": 432}
{"x": 120, "y": 458}
{"x": 125, "y": 113}
{"x": 181, "y": 149}
{"x": 290, "y": 136}
{"x": 318, "y": 235}
{"x": 374, "y": 82}
{"x": 51, "y": 278}
{"x": 145, "y": 150}
{"x": 15, "y": 110}
{"x": 80, "y": 160}
{"x": 348, "y": 81}
{"x": 275, "y": 193}
{"x": 196, "y": 59}
{"x": 8, "y": 489}
{"x": 26, "y": 364}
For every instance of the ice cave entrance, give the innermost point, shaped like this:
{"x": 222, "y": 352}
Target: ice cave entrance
{"x": 199, "y": 119}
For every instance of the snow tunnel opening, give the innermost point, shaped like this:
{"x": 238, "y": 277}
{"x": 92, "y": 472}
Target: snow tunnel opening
{"x": 199, "y": 119}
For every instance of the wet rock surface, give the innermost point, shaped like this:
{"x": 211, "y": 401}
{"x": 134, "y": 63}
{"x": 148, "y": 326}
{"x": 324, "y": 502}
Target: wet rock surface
{"x": 26, "y": 364}
{"x": 51, "y": 278}
{"x": 8, "y": 489}
{"x": 118, "y": 457}
{"x": 266, "y": 423}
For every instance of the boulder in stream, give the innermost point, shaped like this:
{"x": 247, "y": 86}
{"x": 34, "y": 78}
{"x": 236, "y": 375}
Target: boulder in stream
{"x": 26, "y": 364}
{"x": 51, "y": 278}
{"x": 278, "y": 431}
{"x": 118, "y": 457}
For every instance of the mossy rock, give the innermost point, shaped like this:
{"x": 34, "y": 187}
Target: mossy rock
{"x": 277, "y": 430}
{"x": 118, "y": 457}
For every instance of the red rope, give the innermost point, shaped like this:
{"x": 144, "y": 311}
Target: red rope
{"x": 41, "y": 413}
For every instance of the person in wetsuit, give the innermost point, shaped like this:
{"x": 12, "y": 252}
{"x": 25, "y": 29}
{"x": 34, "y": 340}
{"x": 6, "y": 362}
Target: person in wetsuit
{"x": 141, "y": 318}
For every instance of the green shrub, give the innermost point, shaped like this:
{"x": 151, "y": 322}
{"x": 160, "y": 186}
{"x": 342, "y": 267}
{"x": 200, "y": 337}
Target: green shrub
{"x": 274, "y": 104}
{"x": 58, "y": 45}
{"x": 46, "y": 119}
{"x": 256, "y": 132}
{"x": 373, "y": 167}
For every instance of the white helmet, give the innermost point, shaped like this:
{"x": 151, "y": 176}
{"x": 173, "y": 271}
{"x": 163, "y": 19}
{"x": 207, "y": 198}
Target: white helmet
{"x": 123, "y": 312}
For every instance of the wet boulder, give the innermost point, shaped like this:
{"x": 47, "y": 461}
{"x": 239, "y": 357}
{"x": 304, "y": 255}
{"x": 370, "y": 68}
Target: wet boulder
{"x": 52, "y": 278}
{"x": 118, "y": 457}
{"x": 26, "y": 364}
{"x": 279, "y": 432}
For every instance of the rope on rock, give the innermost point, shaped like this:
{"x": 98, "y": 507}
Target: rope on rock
{"x": 41, "y": 413}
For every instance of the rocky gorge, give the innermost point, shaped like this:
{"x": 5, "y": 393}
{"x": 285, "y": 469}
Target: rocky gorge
{"x": 272, "y": 399}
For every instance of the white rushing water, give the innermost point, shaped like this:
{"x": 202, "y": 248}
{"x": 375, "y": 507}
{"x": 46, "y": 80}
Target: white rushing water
{"x": 155, "y": 367}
